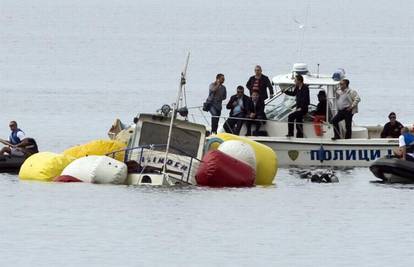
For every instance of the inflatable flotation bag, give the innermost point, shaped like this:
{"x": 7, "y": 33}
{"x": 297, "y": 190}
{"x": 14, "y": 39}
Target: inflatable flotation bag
{"x": 66, "y": 179}
{"x": 97, "y": 148}
{"x": 266, "y": 158}
{"x": 239, "y": 150}
{"x": 44, "y": 166}
{"x": 97, "y": 169}
{"x": 220, "y": 170}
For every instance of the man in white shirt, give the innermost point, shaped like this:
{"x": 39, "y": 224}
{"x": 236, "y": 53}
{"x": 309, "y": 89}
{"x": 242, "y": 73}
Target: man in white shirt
{"x": 347, "y": 103}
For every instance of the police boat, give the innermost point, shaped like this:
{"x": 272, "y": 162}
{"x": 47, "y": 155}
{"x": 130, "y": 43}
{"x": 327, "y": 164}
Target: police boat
{"x": 317, "y": 147}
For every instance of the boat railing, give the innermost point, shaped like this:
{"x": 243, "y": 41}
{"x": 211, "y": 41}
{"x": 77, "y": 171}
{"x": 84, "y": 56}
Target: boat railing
{"x": 199, "y": 109}
{"x": 314, "y": 123}
{"x": 185, "y": 177}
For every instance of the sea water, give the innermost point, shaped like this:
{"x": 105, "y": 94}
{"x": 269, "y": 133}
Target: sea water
{"x": 69, "y": 68}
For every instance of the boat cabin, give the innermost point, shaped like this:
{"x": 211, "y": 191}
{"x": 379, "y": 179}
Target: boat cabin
{"x": 147, "y": 149}
{"x": 281, "y": 105}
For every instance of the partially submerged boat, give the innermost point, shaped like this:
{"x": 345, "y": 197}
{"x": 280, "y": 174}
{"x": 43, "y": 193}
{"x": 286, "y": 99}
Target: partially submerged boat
{"x": 147, "y": 158}
{"x": 393, "y": 170}
{"x": 317, "y": 147}
{"x": 164, "y": 148}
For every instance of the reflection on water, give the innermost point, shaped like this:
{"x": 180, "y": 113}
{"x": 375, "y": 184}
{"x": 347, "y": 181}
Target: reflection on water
{"x": 394, "y": 185}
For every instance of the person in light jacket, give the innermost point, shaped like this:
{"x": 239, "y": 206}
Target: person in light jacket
{"x": 217, "y": 93}
{"x": 347, "y": 101}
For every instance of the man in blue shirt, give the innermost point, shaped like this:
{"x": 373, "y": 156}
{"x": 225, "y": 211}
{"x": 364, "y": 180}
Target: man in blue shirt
{"x": 406, "y": 145}
{"x": 18, "y": 144}
{"x": 239, "y": 107}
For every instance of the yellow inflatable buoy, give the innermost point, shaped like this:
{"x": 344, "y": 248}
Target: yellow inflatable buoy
{"x": 44, "y": 166}
{"x": 266, "y": 158}
{"x": 97, "y": 148}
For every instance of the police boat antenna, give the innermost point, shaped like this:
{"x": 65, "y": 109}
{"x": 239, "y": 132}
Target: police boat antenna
{"x": 174, "y": 110}
{"x": 317, "y": 73}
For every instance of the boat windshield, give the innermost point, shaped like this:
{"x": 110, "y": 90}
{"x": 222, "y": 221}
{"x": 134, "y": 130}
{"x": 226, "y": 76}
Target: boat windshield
{"x": 280, "y": 110}
{"x": 282, "y": 105}
{"x": 187, "y": 141}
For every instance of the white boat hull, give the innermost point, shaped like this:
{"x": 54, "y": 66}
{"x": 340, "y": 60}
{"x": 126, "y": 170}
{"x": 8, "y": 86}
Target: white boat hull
{"x": 154, "y": 179}
{"x": 318, "y": 152}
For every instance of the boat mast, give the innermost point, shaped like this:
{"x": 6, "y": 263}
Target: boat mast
{"x": 175, "y": 108}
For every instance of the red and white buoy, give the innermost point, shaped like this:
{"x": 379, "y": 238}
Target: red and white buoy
{"x": 221, "y": 170}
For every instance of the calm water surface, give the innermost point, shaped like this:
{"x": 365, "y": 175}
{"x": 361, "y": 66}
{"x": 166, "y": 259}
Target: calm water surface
{"x": 69, "y": 68}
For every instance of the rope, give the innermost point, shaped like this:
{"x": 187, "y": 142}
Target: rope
{"x": 261, "y": 120}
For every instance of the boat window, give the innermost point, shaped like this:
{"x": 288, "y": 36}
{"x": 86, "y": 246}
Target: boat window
{"x": 183, "y": 139}
{"x": 282, "y": 106}
{"x": 280, "y": 110}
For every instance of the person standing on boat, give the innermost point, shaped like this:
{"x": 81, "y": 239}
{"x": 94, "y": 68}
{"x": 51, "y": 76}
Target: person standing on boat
{"x": 239, "y": 107}
{"x": 217, "y": 93}
{"x": 18, "y": 144}
{"x": 260, "y": 83}
{"x": 392, "y": 129}
{"x": 347, "y": 104}
{"x": 319, "y": 115}
{"x": 257, "y": 114}
{"x": 406, "y": 145}
{"x": 301, "y": 92}
{"x": 321, "y": 107}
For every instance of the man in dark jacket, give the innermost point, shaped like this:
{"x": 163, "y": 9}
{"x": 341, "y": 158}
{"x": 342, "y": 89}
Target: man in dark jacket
{"x": 301, "y": 92}
{"x": 257, "y": 114}
{"x": 239, "y": 107}
{"x": 319, "y": 115}
{"x": 321, "y": 107}
{"x": 392, "y": 129}
{"x": 260, "y": 83}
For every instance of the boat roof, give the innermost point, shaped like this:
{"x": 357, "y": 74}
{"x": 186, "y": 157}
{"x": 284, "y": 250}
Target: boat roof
{"x": 186, "y": 136}
{"x": 165, "y": 120}
{"x": 308, "y": 79}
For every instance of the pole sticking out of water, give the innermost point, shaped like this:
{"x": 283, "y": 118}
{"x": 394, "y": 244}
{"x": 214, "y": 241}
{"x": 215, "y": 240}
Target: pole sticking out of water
{"x": 175, "y": 108}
